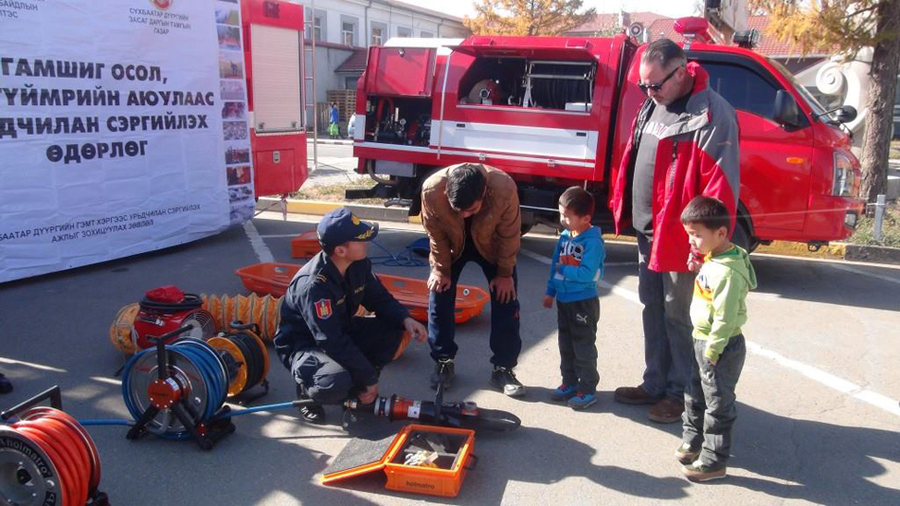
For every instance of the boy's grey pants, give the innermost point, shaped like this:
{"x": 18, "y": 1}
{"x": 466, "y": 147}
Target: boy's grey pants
{"x": 577, "y": 343}
{"x": 709, "y": 410}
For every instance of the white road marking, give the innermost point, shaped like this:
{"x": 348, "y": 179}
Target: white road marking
{"x": 621, "y": 292}
{"x": 825, "y": 378}
{"x": 861, "y": 272}
{"x": 110, "y": 381}
{"x": 259, "y": 246}
{"x": 29, "y": 364}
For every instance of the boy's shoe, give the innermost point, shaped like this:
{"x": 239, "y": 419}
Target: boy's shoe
{"x": 634, "y": 395}
{"x": 582, "y": 401}
{"x": 563, "y": 393}
{"x": 444, "y": 372}
{"x": 313, "y": 412}
{"x": 699, "y": 472}
{"x": 668, "y": 410}
{"x": 504, "y": 379}
{"x": 686, "y": 455}
{"x": 5, "y": 386}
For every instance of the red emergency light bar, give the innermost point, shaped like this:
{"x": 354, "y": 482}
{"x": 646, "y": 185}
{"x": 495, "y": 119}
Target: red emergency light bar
{"x": 694, "y": 28}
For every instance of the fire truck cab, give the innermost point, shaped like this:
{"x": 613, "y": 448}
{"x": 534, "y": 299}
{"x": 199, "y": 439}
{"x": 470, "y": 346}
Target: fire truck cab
{"x": 558, "y": 111}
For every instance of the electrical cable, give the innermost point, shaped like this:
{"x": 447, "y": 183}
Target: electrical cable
{"x": 403, "y": 259}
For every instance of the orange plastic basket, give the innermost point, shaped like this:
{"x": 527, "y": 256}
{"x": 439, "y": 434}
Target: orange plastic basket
{"x": 305, "y": 245}
{"x": 270, "y": 278}
{"x": 413, "y": 293}
{"x": 273, "y": 278}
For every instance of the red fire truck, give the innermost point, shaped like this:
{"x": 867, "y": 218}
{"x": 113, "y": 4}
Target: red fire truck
{"x": 273, "y": 51}
{"x": 557, "y": 111}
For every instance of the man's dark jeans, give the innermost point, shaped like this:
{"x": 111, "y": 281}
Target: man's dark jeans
{"x": 666, "y": 297}
{"x": 709, "y": 411}
{"x": 505, "y": 340}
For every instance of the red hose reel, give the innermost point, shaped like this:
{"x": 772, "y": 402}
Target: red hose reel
{"x": 47, "y": 457}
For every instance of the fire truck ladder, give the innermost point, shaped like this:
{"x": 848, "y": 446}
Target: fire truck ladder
{"x": 309, "y": 83}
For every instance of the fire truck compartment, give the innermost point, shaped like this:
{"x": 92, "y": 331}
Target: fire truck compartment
{"x": 400, "y": 72}
{"x": 399, "y": 120}
{"x": 522, "y": 82}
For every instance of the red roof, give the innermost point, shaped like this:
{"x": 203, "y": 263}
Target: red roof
{"x": 606, "y": 22}
{"x": 768, "y": 45}
{"x": 356, "y": 62}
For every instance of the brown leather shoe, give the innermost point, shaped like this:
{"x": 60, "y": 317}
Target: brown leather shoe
{"x": 668, "y": 410}
{"x": 634, "y": 395}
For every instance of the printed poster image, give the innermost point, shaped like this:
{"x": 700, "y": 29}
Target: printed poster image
{"x": 118, "y": 148}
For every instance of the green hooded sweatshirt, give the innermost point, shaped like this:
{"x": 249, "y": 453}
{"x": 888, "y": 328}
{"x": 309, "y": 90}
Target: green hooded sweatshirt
{"x": 719, "y": 307}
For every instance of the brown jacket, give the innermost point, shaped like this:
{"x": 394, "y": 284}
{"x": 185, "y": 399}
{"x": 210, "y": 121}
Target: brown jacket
{"x": 496, "y": 228}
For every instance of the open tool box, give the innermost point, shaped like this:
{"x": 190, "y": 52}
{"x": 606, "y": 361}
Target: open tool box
{"x": 421, "y": 459}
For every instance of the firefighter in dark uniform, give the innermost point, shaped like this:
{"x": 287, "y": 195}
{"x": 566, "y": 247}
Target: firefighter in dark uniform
{"x": 331, "y": 352}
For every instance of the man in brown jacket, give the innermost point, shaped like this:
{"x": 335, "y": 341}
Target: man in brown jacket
{"x": 471, "y": 213}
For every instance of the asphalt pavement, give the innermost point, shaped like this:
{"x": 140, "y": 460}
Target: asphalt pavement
{"x": 818, "y": 417}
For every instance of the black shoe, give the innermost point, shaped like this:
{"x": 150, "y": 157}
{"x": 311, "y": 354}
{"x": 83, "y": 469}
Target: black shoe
{"x": 444, "y": 372}
{"x": 310, "y": 413}
{"x": 5, "y": 386}
{"x": 504, "y": 379}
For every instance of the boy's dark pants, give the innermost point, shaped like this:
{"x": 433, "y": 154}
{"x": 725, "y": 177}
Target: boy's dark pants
{"x": 577, "y": 343}
{"x": 709, "y": 410}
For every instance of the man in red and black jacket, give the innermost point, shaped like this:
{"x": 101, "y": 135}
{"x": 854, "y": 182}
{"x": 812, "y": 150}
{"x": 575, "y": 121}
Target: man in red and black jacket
{"x": 684, "y": 143}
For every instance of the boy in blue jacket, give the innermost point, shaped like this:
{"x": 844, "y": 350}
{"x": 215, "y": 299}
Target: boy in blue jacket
{"x": 576, "y": 267}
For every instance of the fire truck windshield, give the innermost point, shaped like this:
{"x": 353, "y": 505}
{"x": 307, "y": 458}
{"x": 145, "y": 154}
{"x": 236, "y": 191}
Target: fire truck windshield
{"x": 817, "y": 108}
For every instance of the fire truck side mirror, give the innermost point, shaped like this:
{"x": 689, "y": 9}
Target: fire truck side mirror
{"x": 787, "y": 113}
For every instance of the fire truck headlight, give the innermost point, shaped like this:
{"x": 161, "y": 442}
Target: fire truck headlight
{"x": 844, "y": 175}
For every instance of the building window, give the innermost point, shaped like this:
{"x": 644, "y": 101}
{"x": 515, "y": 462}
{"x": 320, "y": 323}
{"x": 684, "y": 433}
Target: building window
{"x": 350, "y": 83}
{"x": 403, "y": 31}
{"x": 348, "y": 30}
{"x": 426, "y": 35}
{"x": 378, "y": 31}
{"x": 317, "y": 25}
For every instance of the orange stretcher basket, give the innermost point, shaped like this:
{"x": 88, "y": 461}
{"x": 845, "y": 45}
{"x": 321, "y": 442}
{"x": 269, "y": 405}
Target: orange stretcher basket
{"x": 273, "y": 278}
{"x": 270, "y": 278}
{"x": 413, "y": 294}
{"x": 305, "y": 245}
{"x": 444, "y": 481}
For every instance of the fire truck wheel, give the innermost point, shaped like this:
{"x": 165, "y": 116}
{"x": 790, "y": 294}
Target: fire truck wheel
{"x": 743, "y": 239}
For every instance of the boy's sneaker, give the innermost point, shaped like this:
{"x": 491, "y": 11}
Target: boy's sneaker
{"x": 563, "y": 393}
{"x": 582, "y": 401}
{"x": 444, "y": 372}
{"x": 685, "y": 454}
{"x": 504, "y": 379}
{"x": 699, "y": 472}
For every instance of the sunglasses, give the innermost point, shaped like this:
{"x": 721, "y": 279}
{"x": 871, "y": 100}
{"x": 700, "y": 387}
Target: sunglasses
{"x": 658, "y": 86}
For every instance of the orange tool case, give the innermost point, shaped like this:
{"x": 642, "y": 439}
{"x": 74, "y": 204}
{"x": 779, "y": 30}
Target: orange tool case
{"x": 362, "y": 457}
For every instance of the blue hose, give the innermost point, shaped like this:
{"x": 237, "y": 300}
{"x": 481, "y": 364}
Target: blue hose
{"x": 204, "y": 359}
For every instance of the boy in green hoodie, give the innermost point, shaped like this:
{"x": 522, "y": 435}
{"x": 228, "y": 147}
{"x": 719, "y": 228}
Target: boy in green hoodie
{"x": 718, "y": 311}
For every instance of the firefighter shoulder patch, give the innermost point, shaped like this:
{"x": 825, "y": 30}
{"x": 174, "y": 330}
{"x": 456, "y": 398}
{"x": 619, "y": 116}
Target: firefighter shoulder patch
{"x": 323, "y": 309}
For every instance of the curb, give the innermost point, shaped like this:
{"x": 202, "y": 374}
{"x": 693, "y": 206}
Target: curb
{"x": 320, "y": 207}
{"x": 835, "y": 250}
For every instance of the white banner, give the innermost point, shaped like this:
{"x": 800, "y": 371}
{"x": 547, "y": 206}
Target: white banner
{"x": 123, "y": 129}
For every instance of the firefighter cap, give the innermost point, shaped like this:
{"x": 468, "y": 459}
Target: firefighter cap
{"x": 342, "y": 226}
